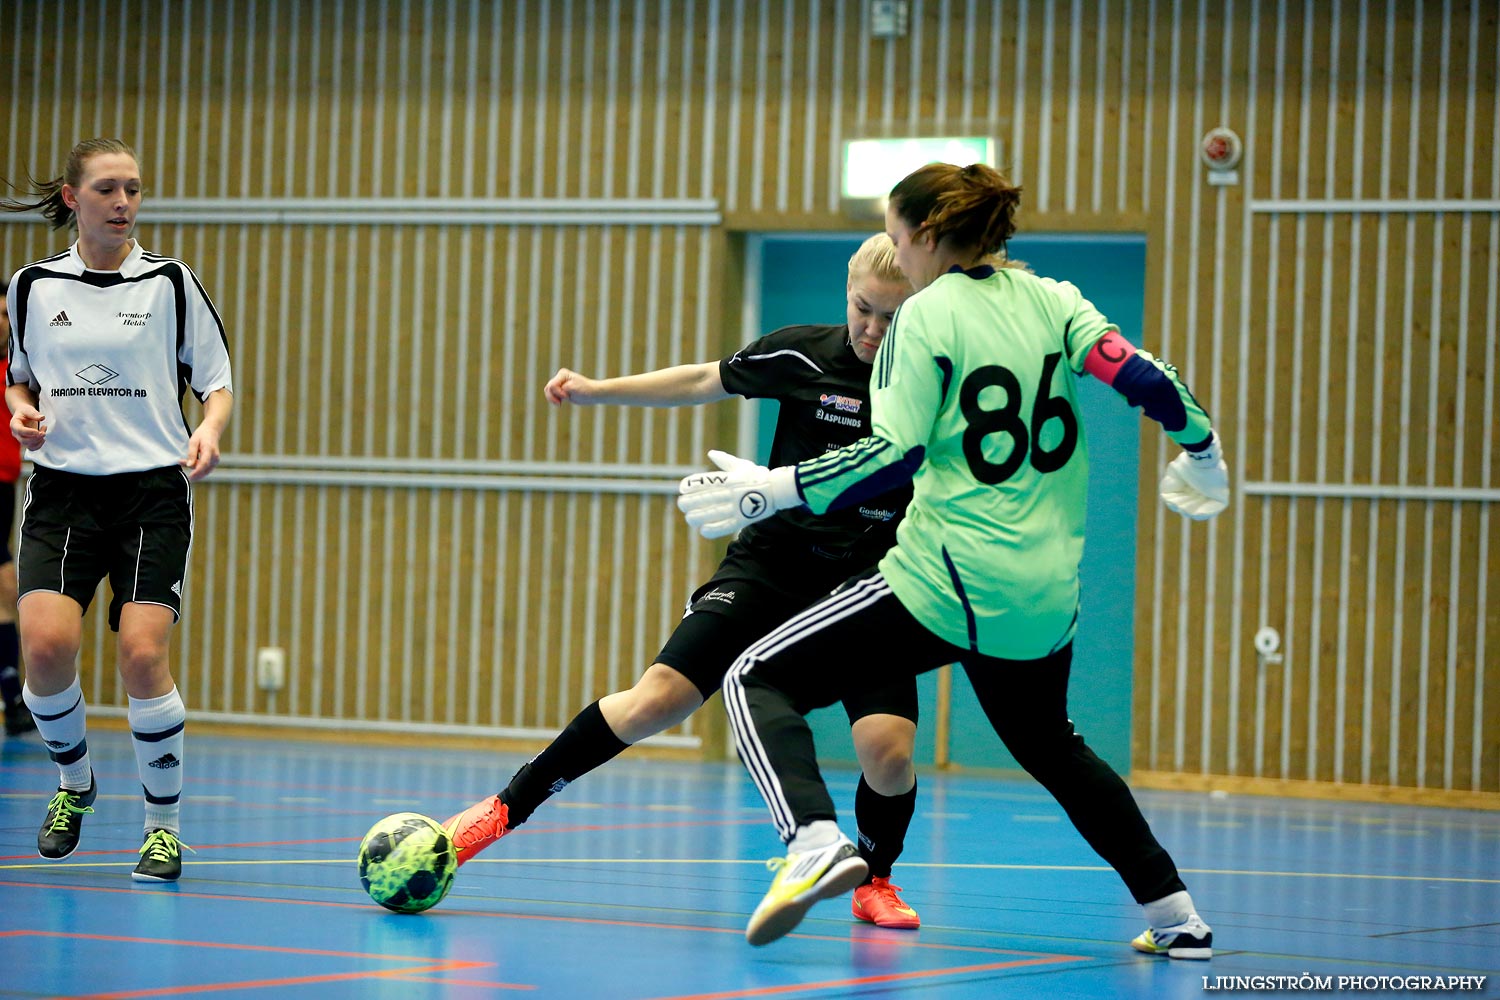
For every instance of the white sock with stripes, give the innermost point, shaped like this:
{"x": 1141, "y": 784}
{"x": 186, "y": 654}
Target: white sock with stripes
{"x": 61, "y": 721}
{"x": 156, "y": 726}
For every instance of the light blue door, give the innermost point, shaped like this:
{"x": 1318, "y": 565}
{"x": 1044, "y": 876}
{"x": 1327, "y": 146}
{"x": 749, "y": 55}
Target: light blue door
{"x": 802, "y": 279}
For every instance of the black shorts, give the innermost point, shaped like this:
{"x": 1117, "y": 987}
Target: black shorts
{"x": 7, "y": 519}
{"x": 134, "y": 527}
{"x": 754, "y": 590}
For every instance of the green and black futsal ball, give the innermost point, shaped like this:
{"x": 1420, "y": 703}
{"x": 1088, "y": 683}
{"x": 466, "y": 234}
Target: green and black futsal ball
{"x": 406, "y": 862}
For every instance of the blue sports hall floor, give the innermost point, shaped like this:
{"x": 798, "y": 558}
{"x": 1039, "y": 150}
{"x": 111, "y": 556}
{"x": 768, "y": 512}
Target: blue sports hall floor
{"x": 636, "y": 882}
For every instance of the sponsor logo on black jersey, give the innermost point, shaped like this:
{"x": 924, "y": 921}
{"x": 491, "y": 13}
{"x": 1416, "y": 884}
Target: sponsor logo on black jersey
{"x": 829, "y": 416}
{"x": 97, "y": 375}
{"x": 876, "y": 514}
{"x": 844, "y": 404}
{"x": 61, "y": 319}
{"x": 727, "y": 596}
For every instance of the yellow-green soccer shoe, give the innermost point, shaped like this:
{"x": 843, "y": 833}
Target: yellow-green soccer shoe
{"x": 801, "y": 880}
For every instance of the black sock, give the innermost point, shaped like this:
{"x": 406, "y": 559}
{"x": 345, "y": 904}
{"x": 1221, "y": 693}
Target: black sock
{"x": 10, "y": 678}
{"x": 883, "y": 821}
{"x": 583, "y": 745}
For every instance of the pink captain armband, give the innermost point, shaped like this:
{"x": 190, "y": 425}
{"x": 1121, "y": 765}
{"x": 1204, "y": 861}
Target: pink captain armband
{"x": 1108, "y": 356}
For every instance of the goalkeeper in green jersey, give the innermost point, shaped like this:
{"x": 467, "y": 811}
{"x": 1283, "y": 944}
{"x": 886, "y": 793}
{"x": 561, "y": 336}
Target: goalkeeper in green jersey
{"x": 974, "y": 400}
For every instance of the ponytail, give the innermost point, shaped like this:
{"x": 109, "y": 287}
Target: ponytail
{"x": 51, "y": 204}
{"x": 974, "y": 206}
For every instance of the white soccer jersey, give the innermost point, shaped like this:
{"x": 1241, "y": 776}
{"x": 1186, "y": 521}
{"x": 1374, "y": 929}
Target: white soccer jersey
{"x": 109, "y": 355}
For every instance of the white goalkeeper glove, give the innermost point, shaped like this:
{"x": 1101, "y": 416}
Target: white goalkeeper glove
{"x": 1196, "y": 483}
{"x": 721, "y": 503}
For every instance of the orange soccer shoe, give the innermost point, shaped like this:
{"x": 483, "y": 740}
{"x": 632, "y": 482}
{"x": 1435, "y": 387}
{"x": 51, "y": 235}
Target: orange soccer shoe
{"x": 879, "y": 904}
{"x": 477, "y": 827}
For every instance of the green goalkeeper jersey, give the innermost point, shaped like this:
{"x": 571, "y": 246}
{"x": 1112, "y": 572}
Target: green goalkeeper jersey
{"x": 974, "y": 392}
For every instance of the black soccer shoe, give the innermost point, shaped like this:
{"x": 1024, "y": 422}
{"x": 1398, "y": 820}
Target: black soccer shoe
{"x": 59, "y": 834}
{"x": 161, "y": 858}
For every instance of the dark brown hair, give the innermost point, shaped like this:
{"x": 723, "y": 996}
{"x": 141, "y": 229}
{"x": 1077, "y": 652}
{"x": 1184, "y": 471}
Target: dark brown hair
{"x": 971, "y": 206}
{"x": 53, "y": 208}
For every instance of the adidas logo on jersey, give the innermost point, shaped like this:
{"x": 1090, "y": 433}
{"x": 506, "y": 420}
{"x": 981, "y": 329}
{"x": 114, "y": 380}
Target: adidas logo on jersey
{"x": 61, "y": 319}
{"x": 165, "y": 761}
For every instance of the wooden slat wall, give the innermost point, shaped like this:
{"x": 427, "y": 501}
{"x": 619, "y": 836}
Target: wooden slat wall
{"x": 1345, "y": 348}
{"x": 1332, "y": 347}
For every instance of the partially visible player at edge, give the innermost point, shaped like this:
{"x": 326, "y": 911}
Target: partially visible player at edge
{"x": 974, "y": 396}
{"x": 821, "y": 376}
{"x": 105, "y": 339}
{"x": 17, "y": 716}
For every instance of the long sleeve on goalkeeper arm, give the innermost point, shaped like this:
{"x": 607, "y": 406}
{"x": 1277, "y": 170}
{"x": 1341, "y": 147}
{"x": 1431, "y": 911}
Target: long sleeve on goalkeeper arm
{"x": 1153, "y": 385}
{"x": 1196, "y": 482}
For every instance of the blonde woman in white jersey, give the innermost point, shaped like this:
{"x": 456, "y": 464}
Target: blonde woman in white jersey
{"x": 105, "y": 340}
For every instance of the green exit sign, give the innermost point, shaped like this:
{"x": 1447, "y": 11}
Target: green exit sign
{"x": 873, "y": 166}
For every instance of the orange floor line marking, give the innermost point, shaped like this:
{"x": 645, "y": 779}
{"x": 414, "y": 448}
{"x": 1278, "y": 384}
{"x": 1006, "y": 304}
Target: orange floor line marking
{"x": 202, "y": 847}
{"x": 279, "y": 843}
{"x": 446, "y": 913}
{"x": 476, "y": 983}
{"x": 894, "y": 977}
{"x": 257, "y": 984}
{"x": 638, "y": 826}
{"x": 423, "y": 964}
{"x": 535, "y": 831}
{"x": 354, "y": 840}
{"x": 193, "y": 895}
{"x": 452, "y": 963}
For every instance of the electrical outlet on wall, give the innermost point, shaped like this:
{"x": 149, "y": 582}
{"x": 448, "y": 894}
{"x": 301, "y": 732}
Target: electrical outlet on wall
{"x": 270, "y": 668}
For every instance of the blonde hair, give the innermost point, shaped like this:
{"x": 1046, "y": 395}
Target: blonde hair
{"x": 876, "y": 258}
{"x": 1003, "y": 260}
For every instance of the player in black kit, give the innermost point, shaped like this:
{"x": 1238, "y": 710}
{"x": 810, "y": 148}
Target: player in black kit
{"x": 820, "y": 375}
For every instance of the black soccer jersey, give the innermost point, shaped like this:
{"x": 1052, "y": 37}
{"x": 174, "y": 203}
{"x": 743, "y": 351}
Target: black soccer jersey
{"x": 824, "y": 392}
{"x": 110, "y": 354}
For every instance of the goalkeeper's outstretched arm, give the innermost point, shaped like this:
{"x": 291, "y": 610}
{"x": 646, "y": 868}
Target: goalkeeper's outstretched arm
{"x": 1154, "y": 386}
{"x": 1196, "y": 483}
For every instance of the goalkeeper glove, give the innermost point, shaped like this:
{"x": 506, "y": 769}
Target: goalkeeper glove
{"x": 1196, "y": 483}
{"x": 721, "y": 503}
